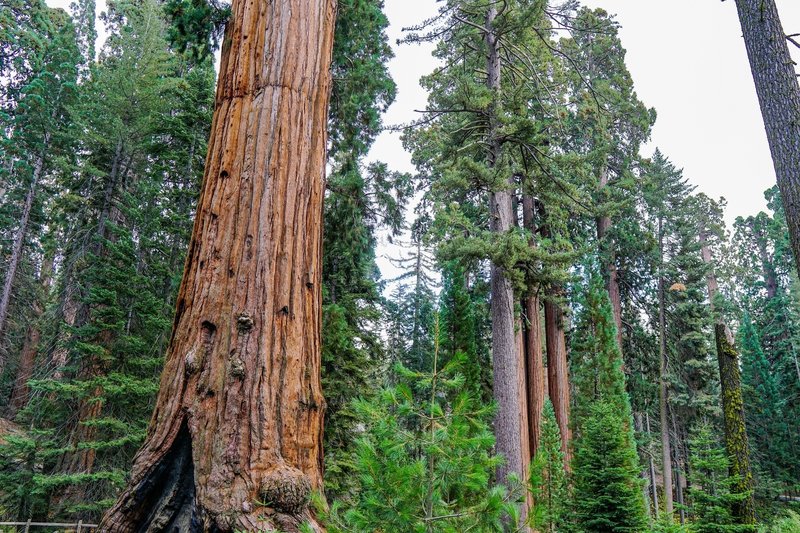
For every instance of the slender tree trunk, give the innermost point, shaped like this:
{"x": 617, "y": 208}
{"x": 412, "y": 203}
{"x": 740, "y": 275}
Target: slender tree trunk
{"x": 652, "y": 463}
{"x": 638, "y": 422}
{"x": 533, "y": 344}
{"x": 19, "y": 243}
{"x": 779, "y": 95}
{"x": 730, "y": 379}
{"x": 509, "y": 371}
{"x": 663, "y": 400}
{"x": 679, "y": 460}
{"x": 30, "y": 349}
{"x": 235, "y": 442}
{"x": 603, "y": 223}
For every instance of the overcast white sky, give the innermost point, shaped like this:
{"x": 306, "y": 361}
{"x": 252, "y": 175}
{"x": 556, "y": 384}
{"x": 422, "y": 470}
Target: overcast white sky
{"x": 687, "y": 59}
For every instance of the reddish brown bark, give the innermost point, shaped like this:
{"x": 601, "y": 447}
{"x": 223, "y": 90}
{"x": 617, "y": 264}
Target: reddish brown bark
{"x": 235, "y": 439}
{"x": 557, "y": 369}
{"x": 27, "y": 358}
{"x": 532, "y": 329}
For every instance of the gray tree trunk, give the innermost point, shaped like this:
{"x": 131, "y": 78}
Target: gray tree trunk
{"x": 509, "y": 372}
{"x": 19, "y": 243}
{"x": 779, "y": 95}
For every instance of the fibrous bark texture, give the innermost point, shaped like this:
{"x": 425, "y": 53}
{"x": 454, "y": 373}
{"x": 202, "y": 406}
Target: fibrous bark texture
{"x": 508, "y": 368}
{"x": 235, "y": 440}
{"x": 533, "y": 345}
{"x": 779, "y": 96}
{"x": 557, "y": 369}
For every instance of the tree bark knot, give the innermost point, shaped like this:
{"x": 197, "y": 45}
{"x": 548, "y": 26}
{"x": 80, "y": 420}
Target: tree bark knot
{"x": 286, "y": 489}
{"x": 237, "y": 368}
{"x": 244, "y": 322}
{"x": 193, "y": 362}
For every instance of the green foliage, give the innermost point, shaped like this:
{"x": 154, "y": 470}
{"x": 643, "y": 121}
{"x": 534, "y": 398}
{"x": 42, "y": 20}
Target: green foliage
{"x": 710, "y": 488}
{"x": 784, "y": 524}
{"x": 548, "y": 479}
{"x": 119, "y": 217}
{"x": 607, "y": 495}
{"x": 359, "y": 201}
{"x": 596, "y": 357}
{"x": 425, "y": 461}
{"x": 764, "y": 288}
{"x": 606, "y": 484}
{"x": 197, "y": 25}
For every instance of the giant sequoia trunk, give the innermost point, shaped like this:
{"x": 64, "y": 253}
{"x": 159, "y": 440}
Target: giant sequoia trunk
{"x": 557, "y": 368}
{"x": 509, "y": 373}
{"x": 235, "y": 439}
{"x": 534, "y": 366}
{"x": 732, "y": 403}
{"x": 779, "y": 95}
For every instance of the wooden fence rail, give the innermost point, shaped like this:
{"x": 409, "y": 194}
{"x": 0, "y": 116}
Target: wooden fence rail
{"x": 80, "y": 527}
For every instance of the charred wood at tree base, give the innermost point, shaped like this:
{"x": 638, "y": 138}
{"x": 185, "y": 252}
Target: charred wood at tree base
{"x": 165, "y": 500}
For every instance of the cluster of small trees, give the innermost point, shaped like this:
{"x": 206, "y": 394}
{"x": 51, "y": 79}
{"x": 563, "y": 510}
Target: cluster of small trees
{"x": 559, "y": 354}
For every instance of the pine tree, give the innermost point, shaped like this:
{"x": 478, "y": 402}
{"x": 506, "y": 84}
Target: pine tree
{"x": 34, "y": 116}
{"x": 425, "y": 460}
{"x": 122, "y": 208}
{"x": 763, "y": 269}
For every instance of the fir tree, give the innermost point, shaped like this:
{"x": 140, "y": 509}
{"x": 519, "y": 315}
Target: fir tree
{"x": 711, "y": 487}
{"x": 606, "y": 484}
{"x": 606, "y": 474}
{"x": 548, "y": 480}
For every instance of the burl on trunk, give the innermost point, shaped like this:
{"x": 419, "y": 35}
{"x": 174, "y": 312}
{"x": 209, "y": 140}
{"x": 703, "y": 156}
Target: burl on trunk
{"x": 235, "y": 440}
